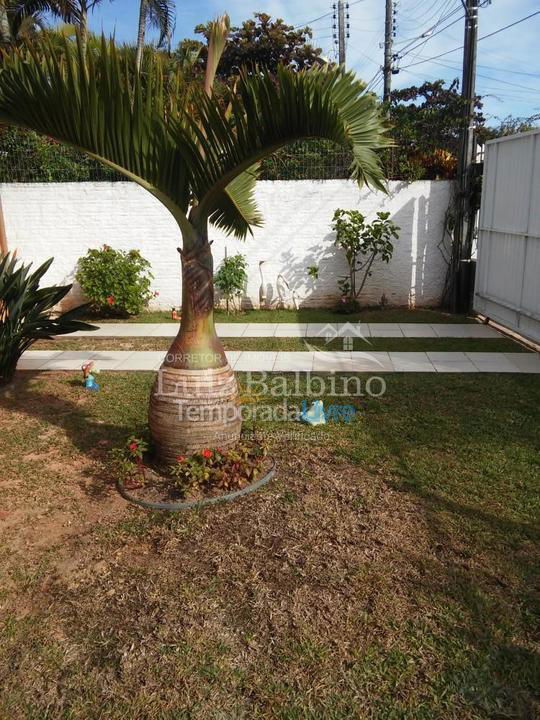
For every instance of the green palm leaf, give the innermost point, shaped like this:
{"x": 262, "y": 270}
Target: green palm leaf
{"x": 193, "y": 157}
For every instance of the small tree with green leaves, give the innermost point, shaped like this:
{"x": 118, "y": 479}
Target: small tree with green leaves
{"x": 231, "y": 278}
{"x": 363, "y": 244}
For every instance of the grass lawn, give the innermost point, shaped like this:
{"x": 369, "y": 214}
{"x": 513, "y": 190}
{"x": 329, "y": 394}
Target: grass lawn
{"x": 291, "y": 344}
{"x": 390, "y": 571}
{"x": 309, "y": 315}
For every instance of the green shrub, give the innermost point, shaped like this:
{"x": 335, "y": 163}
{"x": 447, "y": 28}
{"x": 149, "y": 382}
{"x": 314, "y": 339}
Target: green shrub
{"x": 115, "y": 282}
{"x": 363, "y": 243}
{"x": 26, "y": 156}
{"x": 26, "y": 312}
{"x": 231, "y": 278}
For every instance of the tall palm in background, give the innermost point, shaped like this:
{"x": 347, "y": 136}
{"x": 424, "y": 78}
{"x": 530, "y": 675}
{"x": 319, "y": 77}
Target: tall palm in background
{"x": 22, "y": 19}
{"x": 156, "y": 13}
{"x": 200, "y": 158}
{"x": 82, "y": 10}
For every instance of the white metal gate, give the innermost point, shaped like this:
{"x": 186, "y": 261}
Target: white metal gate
{"x": 507, "y": 285}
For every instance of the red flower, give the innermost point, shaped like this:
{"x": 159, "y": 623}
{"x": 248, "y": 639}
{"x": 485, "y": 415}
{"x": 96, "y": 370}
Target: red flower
{"x": 180, "y": 458}
{"x": 110, "y": 299}
{"x": 206, "y": 453}
{"x": 156, "y": 293}
{"x": 133, "y": 446}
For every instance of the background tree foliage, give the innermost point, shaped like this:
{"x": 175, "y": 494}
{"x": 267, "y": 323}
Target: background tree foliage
{"x": 426, "y": 124}
{"x": 266, "y": 42}
{"x": 426, "y": 120}
{"x": 509, "y": 126}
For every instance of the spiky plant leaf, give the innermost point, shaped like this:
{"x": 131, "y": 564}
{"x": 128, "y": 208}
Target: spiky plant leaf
{"x": 26, "y": 312}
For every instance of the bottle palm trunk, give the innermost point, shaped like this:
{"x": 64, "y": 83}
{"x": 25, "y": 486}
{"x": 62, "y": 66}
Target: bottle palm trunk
{"x": 194, "y": 402}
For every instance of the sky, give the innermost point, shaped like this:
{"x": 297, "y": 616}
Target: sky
{"x": 508, "y": 73}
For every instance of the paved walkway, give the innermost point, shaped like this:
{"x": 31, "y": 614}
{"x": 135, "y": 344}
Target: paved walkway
{"x": 375, "y": 362}
{"x": 324, "y": 330}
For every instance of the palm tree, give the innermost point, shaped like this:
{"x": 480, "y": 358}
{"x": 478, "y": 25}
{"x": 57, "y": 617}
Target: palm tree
{"x": 159, "y": 14}
{"x": 22, "y": 19}
{"x": 71, "y": 11}
{"x": 82, "y": 8}
{"x": 200, "y": 159}
{"x": 5, "y": 29}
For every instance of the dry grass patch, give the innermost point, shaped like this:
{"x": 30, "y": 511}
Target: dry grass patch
{"x": 343, "y": 590}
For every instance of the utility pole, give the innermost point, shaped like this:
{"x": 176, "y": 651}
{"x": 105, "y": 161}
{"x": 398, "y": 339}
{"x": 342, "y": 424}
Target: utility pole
{"x": 342, "y": 28}
{"x": 465, "y": 215}
{"x": 388, "y": 44}
{"x": 341, "y": 32}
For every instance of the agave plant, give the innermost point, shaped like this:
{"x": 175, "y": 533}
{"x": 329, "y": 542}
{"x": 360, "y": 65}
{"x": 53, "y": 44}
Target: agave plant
{"x": 200, "y": 159}
{"x": 25, "y": 312}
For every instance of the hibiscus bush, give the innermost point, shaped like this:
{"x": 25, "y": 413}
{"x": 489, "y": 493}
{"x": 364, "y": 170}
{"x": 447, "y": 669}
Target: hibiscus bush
{"x": 116, "y": 282}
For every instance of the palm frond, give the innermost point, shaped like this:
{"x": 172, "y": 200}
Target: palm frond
{"x": 67, "y": 10}
{"x": 197, "y": 153}
{"x": 161, "y": 15}
{"x": 102, "y": 109}
{"x": 236, "y": 210}
{"x": 269, "y": 113}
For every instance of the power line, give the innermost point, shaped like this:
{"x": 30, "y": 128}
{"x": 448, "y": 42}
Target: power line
{"x": 321, "y": 17}
{"x": 489, "y": 77}
{"x": 457, "y": 66}
{"x": 509, "y": 26}
{"x": 431, "y": 35}
{"x": 374, "y": 80}
{"x": 438, "y": 11}
{"x": 484, "y": 37}
{"x": 363, "y": 54}
{"x": 310, "y": 22}
{"x": 432, "y": 27}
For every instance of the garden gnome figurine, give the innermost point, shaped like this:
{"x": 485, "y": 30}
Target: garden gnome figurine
{"x": 88, "y": 378}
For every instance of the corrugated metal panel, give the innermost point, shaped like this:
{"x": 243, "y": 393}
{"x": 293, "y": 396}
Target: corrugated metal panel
{"x": 508, "y": 265}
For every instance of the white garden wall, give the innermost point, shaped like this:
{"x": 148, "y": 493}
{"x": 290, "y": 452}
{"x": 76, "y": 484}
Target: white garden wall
{"x": 65, "y": 219}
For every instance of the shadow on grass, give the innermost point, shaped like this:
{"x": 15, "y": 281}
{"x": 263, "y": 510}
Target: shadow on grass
{"x": 94, "y": 423}
{"x": 483, "y": 575}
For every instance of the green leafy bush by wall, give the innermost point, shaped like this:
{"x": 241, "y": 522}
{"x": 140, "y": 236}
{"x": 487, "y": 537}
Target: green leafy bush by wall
{"x": 231, "y": 279}
{"x": 115, "y": 282}
{"x": 26, "y": 156}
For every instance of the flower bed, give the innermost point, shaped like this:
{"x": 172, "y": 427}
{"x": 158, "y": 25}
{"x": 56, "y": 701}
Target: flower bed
{"x": 205, "y": 477}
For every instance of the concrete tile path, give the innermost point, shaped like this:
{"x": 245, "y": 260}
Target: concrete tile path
{"x": 374, "y": 362}
{"x": 313, "y": 330}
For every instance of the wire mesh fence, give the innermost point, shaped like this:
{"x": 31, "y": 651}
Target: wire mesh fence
{"x": 27, "y": 157}
{"x": 308, "y": 160}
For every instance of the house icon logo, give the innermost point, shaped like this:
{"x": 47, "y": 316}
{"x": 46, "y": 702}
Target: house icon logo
{"x": 347, "y": 331}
